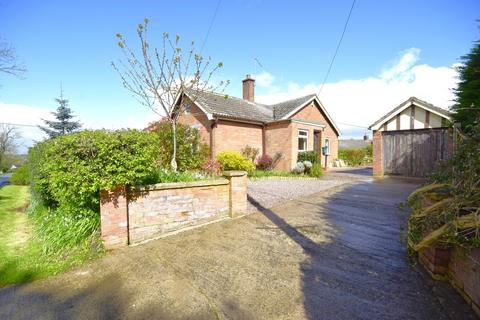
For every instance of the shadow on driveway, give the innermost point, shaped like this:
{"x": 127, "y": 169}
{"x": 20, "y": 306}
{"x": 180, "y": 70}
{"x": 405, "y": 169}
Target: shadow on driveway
{"x": 363, "y": 272}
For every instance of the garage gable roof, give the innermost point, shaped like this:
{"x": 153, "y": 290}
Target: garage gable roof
{"x": 406, "y": 104}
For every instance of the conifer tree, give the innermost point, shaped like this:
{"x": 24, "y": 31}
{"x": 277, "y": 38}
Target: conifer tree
{"x": 64, "y": 123}
{"x": 467, "y": 108}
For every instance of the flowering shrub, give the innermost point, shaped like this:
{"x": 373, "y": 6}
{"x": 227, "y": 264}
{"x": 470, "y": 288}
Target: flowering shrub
{"x": 264, "y": 162}
{"x": 232, "y": 160}
{"x": 212, "y": 167}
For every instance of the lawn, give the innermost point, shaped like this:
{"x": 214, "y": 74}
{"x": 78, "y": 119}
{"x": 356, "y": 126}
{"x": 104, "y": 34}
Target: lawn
{"x": 24, "y": 254}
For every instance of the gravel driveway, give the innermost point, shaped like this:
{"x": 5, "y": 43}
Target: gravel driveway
{"x": 274, "y": 191}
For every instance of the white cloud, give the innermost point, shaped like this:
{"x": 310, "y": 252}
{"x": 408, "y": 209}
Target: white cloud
{"x": 362, "y": 101}
{"x": 27, "y": 118}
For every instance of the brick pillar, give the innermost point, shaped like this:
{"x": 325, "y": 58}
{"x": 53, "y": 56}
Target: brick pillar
{"x": 238, "y": 192}
{"x": 114, "y": 218}
{"x": 377, "y": 153}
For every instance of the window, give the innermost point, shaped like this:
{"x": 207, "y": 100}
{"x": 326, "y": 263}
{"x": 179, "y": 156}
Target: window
{"x": 302, "y": 140}
{"x": 327, "y": 146}
{"x": 187, "y": 108}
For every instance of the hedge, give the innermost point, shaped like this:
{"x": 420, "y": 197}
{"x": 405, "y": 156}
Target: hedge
{"x": 71, "y": 169}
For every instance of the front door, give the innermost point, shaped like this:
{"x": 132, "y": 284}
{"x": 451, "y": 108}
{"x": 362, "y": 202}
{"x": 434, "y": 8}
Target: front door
{"x": 317, "y": 141}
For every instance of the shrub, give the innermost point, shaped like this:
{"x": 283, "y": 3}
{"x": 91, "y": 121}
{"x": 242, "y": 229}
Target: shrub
{"x": 264, "y": 162}
{"x": 250, "y": 153}
{"x": 316, "y": 170}
{"x": 212, "y": 167}
{"x": 299, "y": 168}
{"x": 311, "y": 156}
{"x": 191, "y": 152}
{"x": 69, "y": 171}
{"x": 20, "y": 176}
{"x": 166, "y": 175}
{"x": 232, "y": 160}
{"x": 354, "y": 157}
{"x": 276, "y": 159}
{"x": 308, "y": 166}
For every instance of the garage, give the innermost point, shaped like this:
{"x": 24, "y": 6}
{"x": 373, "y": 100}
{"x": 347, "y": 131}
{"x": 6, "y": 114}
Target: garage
{"x": 411, "y": 140}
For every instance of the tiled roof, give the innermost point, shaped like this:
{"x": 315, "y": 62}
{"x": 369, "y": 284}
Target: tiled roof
{"x": 236, "y": 108}
{"x": 410, "y": 101}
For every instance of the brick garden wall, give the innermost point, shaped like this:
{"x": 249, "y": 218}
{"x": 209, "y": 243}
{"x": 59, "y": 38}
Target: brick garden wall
{"x": 130, "y": 216}
{"x": 460, "y": 267}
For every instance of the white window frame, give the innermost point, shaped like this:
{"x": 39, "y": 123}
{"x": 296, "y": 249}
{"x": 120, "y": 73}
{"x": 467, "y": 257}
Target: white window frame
{"x": 303, "y": 137}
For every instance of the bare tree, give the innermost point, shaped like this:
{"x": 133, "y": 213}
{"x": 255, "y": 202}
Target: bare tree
{"x": 9, "y": 62}
{"x": 8, "y": 137}
{"x": 157, "y": 77}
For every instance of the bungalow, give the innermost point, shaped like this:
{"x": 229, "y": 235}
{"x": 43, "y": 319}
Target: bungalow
{"x": 289, "y": 127}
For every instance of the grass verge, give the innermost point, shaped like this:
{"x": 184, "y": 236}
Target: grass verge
{"x": 38, "y": 242}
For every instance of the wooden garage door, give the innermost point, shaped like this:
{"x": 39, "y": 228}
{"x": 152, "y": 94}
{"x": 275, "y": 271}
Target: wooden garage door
{"x": 414, "y": 153}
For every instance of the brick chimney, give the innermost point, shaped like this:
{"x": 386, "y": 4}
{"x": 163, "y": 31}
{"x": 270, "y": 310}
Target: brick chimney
{"x": 249, "y": 88}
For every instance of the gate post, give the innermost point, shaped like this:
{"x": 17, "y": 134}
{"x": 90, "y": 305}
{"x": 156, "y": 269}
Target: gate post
{"x": 114, "y": 218}
{"x": 377, "y": 154}
{"x": 238, "y": 192}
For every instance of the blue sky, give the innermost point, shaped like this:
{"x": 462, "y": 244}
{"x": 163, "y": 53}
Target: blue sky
{"x": 391, "y": 50}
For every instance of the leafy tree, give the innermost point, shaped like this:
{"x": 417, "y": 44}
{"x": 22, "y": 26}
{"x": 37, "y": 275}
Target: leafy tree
{"x": 467, "y": 106}
{"x": 64, "y": 123}
{"x": 156, "y": 76}
{"x": 9, "y": 62}
{"x": 8, "y": 137}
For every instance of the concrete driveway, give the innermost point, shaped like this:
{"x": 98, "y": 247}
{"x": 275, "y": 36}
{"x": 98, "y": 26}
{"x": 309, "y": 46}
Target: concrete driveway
{"x": 337, "y": 254}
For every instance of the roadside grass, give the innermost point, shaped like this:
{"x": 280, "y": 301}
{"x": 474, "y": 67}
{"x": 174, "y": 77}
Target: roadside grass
{"x": 30, "y": 243}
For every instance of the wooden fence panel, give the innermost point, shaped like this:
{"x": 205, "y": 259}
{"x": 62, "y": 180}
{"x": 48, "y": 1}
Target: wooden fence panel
{"x": 414, "y": 153}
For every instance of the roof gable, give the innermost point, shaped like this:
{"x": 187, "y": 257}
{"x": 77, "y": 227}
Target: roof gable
{"x": 406, "y": 104}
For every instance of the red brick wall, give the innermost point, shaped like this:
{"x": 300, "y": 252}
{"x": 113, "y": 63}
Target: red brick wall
{"x": 231, "y": 135}
{"x": 159, "y": 209}
{"x": 464, "y": 274}
{"x": 278, "y": 138}
{"x": 312, "y": 112}
{"x": 377, "y": 154}
{"x": 198, "y": 119}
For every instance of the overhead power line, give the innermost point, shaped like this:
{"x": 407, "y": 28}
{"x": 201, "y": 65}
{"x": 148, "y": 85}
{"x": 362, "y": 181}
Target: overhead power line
{"x": 210, "y": 26}
{"x": 19, "y": 124}
{"x": 338, "y": 47}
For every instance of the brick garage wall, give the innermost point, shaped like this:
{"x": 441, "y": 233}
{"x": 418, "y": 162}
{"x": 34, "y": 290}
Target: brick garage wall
{"x": 377, "y": 153}
{"x": 136, "y": 215}
{"x": 230, "y": 135}
{"x": 312, "y": 112}
{"x": 278, "y": 138}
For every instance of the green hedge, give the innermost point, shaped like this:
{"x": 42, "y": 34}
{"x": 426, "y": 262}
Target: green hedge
{"x": 70, "y": 170}
{"x": 311, "y": 156}
{"x": 20, "y": 176}
{"x": 356, "y": 157}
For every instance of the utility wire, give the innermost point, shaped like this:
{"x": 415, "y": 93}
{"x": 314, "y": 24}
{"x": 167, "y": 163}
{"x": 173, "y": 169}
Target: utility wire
{"x": 338, "y": 47}
{"x": 18, "y": 124}
{"x": 210, "y": 26}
